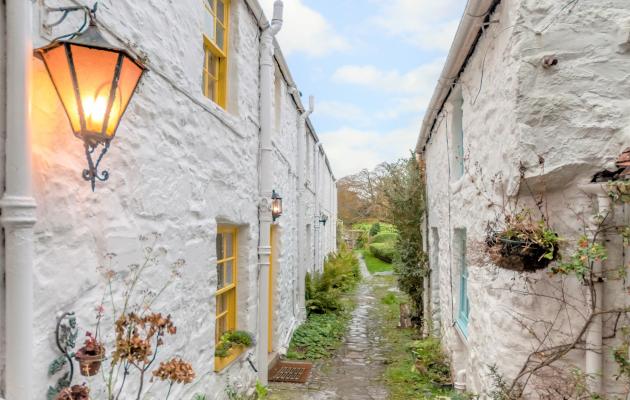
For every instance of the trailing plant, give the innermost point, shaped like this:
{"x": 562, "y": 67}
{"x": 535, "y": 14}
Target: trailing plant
{"x": 231, "y": 339}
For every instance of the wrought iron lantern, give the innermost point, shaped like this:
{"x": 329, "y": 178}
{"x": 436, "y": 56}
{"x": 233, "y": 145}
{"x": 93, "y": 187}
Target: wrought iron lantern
{"x": 323, "y": 218}
{"x": 276, "y": 205}
{"x": 95, "y": 82}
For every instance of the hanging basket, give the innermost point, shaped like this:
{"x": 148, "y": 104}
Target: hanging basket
{"x": 89, "y": 364}
{"x": 519, "y": 255}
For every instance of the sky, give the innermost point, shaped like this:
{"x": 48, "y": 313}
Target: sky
{"x": 372, "y": 66}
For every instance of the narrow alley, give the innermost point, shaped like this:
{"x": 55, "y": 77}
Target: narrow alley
{"x": 356, "y": 371}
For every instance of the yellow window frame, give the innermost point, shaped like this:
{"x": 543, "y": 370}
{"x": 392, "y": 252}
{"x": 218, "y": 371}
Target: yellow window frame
{"x": 211, "y": 49}
{"x": 230, "y": 292}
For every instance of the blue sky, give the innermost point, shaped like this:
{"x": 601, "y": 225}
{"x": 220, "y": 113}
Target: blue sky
{"x": 372, "y": 66}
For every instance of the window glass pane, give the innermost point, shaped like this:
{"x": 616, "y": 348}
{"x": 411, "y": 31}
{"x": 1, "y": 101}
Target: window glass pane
{"x": 214, "y": 66}
{"x": 211, "y": 5}
{"x": 220, "y": 36}
{"x": 208, "y": 25}
{"x": 222, "y": 303}
{"x": 220, "y": 255}
{"x": 221, "y": 326}
{"x": 220, "y": 276}
{"x": 229, "y": 272}
{"x": 229, "y": 244}
{"x": 221, "y": 11}
{"x": 212, "y": 90}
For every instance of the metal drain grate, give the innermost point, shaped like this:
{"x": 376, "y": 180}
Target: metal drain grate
{"x": 293, "y": 372}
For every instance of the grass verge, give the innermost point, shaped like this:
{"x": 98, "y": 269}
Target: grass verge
{"x": 404, "y": 381}
{"x": 373, "y": 263}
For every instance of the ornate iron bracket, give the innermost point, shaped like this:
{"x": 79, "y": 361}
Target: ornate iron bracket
{"x": 91, "y": 173}
{"x": 66, "y": 333}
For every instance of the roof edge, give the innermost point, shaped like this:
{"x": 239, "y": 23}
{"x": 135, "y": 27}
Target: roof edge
{"x": 469, "y": 32}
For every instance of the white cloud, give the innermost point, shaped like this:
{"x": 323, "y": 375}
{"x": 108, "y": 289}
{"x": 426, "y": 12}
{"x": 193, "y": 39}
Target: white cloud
{"x": 340, "y": 111}
{"x": 306, "y": 30}
{"x": 428, "y": 24}
{"x": 351, "y": 150}
{"x": 417, "y": 80}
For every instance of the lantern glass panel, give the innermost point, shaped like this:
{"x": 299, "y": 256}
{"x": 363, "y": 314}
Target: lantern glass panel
{"x": 129, "y": 78}
{"x": 95, "y": 71}
{"x": 59, "y": 70}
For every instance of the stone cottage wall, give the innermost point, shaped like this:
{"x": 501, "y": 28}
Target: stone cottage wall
{"x": 574, "y": 116}
{"x": 179, "y": 166}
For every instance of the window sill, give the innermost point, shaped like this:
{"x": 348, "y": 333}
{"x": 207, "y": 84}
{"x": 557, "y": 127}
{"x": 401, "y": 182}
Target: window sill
{"x": 229, "y": 120}
{"x": 456, "y": 186}
{"x": 462, "y": 331}
{"x": 221, "y": 364}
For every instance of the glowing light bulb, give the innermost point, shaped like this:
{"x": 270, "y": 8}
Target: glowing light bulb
{"x": 94, "y": 111}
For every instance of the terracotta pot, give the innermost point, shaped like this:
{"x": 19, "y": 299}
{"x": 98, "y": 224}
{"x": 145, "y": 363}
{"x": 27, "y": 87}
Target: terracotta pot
{"x": 89, "y": 364}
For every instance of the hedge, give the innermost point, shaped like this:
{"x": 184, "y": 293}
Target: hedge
{"x": 383, "y": 251}
{"x": 385, "y": 237}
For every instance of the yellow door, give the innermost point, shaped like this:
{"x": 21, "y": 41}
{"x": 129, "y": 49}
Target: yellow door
{"x": 272, "y": 243}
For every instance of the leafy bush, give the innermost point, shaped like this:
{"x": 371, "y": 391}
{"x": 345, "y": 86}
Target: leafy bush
{"x": 383, "y": 251}
{"x": 430, "y": 360}
{"x": 341, "y": 274}
{"x": 318, "y": 337}
{"x": 375, "y": 229}
{"x": 410, "y": 265}
{"x": 385, "y": 237}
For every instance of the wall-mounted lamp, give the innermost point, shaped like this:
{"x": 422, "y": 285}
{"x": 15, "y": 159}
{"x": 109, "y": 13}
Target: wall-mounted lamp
{"x": 276, "y": 205}
{"x": 95, "y": 82}
{"x": 323, "y": 218}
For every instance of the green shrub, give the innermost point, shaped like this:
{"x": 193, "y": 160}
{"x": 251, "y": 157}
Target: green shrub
{"x": 431, "y": 360}
{"x": 229, "y": 339}
{"x": 318, "y": 337}
{"x": 375, "y": 229}
{"x": 383, "y": 251}
{"x": 385, "y": 237}
{"x": 341, "y": 274}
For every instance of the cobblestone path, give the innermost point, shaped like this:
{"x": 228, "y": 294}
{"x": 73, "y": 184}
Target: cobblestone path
{"x": 355, "y": 373}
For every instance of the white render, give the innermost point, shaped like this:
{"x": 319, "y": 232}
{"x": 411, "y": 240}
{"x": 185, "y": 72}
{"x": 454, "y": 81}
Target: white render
{"x": 575, "y": 115}
{"x": 179, "y": 165}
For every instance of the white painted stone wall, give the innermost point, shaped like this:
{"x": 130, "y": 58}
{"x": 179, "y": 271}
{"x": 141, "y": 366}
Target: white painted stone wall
{"x": 576, "y": 116}
{"x": 179, "y": 167}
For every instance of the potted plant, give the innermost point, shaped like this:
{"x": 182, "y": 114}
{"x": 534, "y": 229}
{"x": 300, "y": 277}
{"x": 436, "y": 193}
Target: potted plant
{"x": 90, "y": 356}
{"x": 76, "y": 392}
{"x": 232, "y": 339}
{"x": 523, "y": 244}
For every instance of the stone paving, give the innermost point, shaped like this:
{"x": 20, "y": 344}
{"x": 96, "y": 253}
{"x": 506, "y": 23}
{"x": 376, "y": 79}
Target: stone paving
{"x": 355, "y": 373}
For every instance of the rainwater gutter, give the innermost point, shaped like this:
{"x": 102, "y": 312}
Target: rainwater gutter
{"x": 594, "y": 355}
{"x": 18, "y": 204}
{"x": 266, "y": 183}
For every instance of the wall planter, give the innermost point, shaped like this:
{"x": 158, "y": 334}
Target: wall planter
{"x": 231, "y": 345}
{"x": 76, "y": 392}
{"x": 90, "y": 356}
